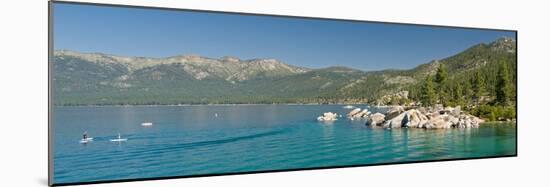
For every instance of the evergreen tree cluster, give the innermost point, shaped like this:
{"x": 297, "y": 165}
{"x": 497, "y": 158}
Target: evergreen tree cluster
{"x": 488, "y": 91}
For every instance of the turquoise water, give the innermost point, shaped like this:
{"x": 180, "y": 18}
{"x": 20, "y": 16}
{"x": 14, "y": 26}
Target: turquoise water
{"x": 190, "y": 140}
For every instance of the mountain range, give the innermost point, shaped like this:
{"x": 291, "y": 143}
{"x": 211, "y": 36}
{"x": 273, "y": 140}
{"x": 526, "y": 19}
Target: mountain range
{"x": 104, "y": 79}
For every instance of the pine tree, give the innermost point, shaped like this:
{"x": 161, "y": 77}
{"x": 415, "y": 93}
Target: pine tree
{"x": 467, "y": 91}
{"x": 478, "y": 86}
{"x": 504, "y": 88}
{"x": 458, "y": 95}
{"x": 441, "y": 80}
{"x": 428, "y": 92}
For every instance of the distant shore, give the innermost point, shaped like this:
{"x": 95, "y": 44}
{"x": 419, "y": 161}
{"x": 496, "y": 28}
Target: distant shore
{"x": 252, "y": 104}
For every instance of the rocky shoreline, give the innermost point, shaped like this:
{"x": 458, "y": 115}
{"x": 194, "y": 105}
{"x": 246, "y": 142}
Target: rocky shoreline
{"x": 416, "y": 117}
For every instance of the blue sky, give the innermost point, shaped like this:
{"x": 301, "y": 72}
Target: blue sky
{"x": 310, "y": 43}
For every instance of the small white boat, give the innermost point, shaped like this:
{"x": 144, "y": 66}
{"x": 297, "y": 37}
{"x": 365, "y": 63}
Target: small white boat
{"x": 119, "y": 139}
{"x": 348, "y": 107}
{"x": 87, "y": 140}
{"x": 146, "y": 124}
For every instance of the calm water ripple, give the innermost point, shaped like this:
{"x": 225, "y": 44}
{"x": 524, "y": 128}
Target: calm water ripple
{"x": 190, "y": 140}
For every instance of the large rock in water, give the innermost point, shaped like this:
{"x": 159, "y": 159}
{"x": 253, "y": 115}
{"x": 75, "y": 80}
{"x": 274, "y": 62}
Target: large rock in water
{"x": 363, "y": 114}
{"x": 358, "y": 114}
{"x": 468, "y": 121}
{"x": 414, "y": 119}
{"x": 453, "y": 120}
{"x": 394, "y": 112}
{"x": 328, "y": 116}
{"x": 396, "y": 122}
{"x": 376, "y": 119}
{"x": 464, "y": 123}
{"x": 410, "y": 118}
{"x": 439, "y": 122}
{"x": 353, "y": 112}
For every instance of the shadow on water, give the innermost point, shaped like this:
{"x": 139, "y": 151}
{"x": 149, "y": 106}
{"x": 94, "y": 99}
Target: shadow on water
{"x": 224, "y": 141}
{"x": 165, "y": 148}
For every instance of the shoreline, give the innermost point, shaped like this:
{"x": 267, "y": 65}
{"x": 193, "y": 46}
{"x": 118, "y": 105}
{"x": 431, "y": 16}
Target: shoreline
{"x": 258, "y": 104}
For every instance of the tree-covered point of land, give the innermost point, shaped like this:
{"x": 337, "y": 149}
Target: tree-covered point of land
{"x": 487, "y": 91}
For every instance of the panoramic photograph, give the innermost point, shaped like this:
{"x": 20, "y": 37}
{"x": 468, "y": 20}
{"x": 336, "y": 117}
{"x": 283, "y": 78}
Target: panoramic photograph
{"x": 143, "y": 93}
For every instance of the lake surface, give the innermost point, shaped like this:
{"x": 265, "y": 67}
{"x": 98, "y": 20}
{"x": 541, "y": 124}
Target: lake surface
{"x": 191, "y": 140}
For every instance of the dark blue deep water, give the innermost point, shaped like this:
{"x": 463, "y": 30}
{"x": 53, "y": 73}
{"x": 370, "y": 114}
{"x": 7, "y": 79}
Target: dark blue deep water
{"x": 190, "y": 140}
